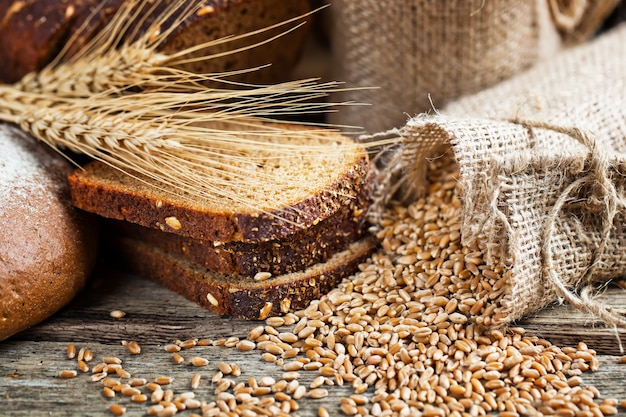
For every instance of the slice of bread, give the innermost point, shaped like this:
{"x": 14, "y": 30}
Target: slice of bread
{"x": 302, "y": 249}
{"x": 232, "y": 295}
{"x": 290, "y": 191}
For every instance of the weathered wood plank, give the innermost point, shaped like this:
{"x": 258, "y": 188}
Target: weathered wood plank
{"x": 29, "y": 384}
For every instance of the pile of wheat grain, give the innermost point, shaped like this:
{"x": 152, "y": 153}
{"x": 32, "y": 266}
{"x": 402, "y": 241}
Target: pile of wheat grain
{"x": 399, "y": 332}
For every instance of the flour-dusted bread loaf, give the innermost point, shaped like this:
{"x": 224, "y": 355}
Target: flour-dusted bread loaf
{"x": 32, "y": 33}
{"x": 305, "y": 187}
{"x": 244, "y": 298}
{"x": 280, "y": 256}
{"x": 47, "y": 248}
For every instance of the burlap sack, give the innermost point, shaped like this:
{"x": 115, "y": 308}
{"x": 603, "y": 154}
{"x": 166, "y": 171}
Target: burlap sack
{"x": 542, "y": 160}
{"x": 415, "y": 52}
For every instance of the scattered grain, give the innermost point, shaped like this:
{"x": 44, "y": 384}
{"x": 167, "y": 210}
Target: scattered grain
{"x": 87, "y": 355}
{"x": 98, "y": 376}
{"x": 163, "y": 380}
{"x": 108, "y": 392}
{"x": 67, "y": 373}
{"x": 82, "y": 365}
{"x": 117, "y": 314}
{"x": 134, "y": 348}
{"x": 117, "y": 409}
{"x": 245, "y": 345}
{"x": 225, "y": 368}
{"x": 318, "y": 393}
{"x": 198, "y": 361}
{"x": 122, "y": 373}
{"x": 71, "y": 351}
{"x": 172, "y": 348}
{"x": 137, "y": 382}
{"x": 177, "y": 358}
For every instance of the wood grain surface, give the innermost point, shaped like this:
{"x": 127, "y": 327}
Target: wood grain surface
{"x": 31, "y": 360}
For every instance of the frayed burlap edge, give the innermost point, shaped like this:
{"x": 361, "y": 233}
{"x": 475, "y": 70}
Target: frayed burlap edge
{"x": 429, "y": 135}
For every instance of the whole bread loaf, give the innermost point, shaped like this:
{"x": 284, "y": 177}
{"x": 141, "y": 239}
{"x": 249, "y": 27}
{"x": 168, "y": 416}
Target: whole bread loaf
{"x": 32, "y": 33}
{"x": 47, "y": 248}
{"x": 244, "y": 298}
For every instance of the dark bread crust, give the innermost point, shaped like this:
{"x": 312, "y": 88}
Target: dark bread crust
{"x": 32, "y": 33}
{"x": 299, "y": 251}
{"x": 104, "y": 191}
{"x": 242, "y": 298}
{"x": 48, "y": 248}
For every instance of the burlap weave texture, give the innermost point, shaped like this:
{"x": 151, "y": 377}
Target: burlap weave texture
{"x": 542, "y": 161}
{"x": 416, "y": 54}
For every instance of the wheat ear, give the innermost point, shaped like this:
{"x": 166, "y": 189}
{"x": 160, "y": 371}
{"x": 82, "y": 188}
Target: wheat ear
{"x": 104, "y": 66}
{"x": 161, "y": 126}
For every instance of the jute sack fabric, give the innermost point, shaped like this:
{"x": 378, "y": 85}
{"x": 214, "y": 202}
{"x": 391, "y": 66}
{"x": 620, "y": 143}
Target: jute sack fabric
{"x": 418, "y": 53}
{"x": 542, "y": 162}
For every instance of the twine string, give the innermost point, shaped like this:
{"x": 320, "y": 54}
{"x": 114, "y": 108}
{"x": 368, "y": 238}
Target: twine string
{"x": 604, "y": 195}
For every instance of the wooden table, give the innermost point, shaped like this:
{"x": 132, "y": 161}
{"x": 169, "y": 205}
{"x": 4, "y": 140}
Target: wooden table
{"x": 31, "y": 361}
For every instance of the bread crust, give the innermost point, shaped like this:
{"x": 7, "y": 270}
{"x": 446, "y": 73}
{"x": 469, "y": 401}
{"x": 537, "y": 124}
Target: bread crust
{"x": 246, "y": 299}
{"x": 48, "y": 248}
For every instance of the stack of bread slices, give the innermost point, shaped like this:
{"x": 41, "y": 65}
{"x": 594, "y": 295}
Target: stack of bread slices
{"x": 301, "y": 236}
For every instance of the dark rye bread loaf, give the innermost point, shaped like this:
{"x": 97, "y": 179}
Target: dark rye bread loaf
{"x": 47, "y": 247}
{"x": 314, "y": 188}
{"x": 280, "y": 256}
{"x": 32, "y": 33}
{"x": 244, "y": 298}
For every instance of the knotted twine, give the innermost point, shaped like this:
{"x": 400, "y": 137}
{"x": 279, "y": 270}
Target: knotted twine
{"x": 542, "y": 162}
{"x": 418, "y": 51}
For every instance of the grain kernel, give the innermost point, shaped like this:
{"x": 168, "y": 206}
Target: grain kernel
{"x": 117, "y": 409}
{"x": 139, "y": 398}
{"x": 134, "y": 348}
{"x": 262, "y": 276}
{"x": 188, "y": 344}
{"x": 137, "y": 382}
{"x": 322, "y": 412}
{"x": 177, "y": 358}
{"x": 68, "y": 373}
{"x": 225, "y": 368}
{"x": 198, "y": 361}
{"x": 82, "y": 365}
{"x": 87, "y": 355}
{"x": 108, "y": 392}
{"x": 117, "y": 314}
{"x": 172, "y": 348}
{"x": 163, "y": 380}
{"x": 71, "y": 351}
{"x": 98, "y": 376}
{"x": 122, "y": 373}
{"x": 130, "y": 391}
{"x": 245, "y": 345}
{"x": 318, "y": 393}
{"x": 173, "y": 222}
{"x": 265, "y": 311}
{"x": 212, "y": 299}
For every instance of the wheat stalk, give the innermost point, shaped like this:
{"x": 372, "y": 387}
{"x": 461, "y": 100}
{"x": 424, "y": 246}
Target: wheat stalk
{"x": 128, "y": 106}
{"x": 102, "y": 65}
